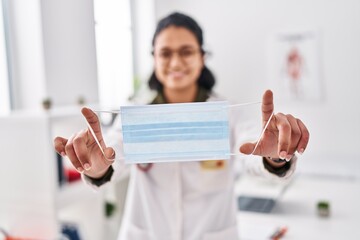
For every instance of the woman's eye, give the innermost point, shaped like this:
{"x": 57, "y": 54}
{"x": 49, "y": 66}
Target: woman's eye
{"x": 186, "y": 53}
{"x": 165, "y": 54}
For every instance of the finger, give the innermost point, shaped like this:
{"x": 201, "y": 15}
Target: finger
{"x": 59, "y": 145}
{"x": 81, "y": 150}
{"x": 295, "y": 136}
{"x": 284, "y": 140}
{"x": 248, "y": 148}
{"x": 109, "y": 154}
{"x": 267, "y": 106}
{"x": 70, "y": 152}
{"x": 305, "y": 136}
{"x": 94, "y": 123}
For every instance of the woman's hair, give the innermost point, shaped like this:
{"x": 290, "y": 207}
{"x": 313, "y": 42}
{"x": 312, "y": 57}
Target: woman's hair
{"x": 206, "y": 78}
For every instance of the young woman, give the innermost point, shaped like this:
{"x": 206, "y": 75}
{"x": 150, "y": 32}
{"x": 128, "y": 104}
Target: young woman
{"x": 187, "y": 200}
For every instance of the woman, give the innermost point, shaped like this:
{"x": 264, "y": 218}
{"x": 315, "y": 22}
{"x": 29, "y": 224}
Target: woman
{"x": 188, "y": 200}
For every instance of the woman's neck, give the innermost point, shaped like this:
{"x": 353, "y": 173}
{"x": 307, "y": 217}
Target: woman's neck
{"x": 182, "y": 95}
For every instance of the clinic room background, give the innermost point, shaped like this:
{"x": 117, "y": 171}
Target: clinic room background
{"x": 56, "y": 56}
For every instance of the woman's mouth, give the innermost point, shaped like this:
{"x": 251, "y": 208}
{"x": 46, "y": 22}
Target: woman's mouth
{"x": 176, "y": 74}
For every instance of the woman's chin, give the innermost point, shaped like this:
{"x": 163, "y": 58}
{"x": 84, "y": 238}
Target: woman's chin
{"x": 177, "y": 84}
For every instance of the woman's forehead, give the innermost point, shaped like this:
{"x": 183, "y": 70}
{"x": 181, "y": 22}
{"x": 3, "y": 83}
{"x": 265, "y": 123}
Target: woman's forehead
{"x": 174, "y": 38}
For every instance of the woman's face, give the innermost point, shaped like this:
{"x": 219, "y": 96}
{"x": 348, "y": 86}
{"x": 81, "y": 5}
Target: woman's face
{"x": 178, "y": 58}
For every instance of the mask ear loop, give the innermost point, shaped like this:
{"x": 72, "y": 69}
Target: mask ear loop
{"x": 262, "y": 133}
{"x": 107, "y": 111}
{"x": 258, "y": 140}
{"x": 96, "y": 140}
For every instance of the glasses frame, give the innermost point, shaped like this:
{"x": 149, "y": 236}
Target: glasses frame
{"x": 185, "y": 54}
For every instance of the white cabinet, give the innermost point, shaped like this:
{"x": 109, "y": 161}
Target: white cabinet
{"x": 32, "y": 203}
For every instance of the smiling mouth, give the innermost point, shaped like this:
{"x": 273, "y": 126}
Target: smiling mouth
{"x": 177, "y": 74}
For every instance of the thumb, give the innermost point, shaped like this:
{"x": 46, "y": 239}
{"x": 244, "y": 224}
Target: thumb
{"x": 247, "y": 148}
{"x": 109, "y": 154}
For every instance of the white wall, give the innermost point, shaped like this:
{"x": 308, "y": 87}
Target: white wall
{"x": 4, "y": 83}
{"x": 52, "y": 48}
{"x": 114, "y": 52}
{"x": 70, "y": 53}
{"x": 143, "y": 23}
{"x": 237, "y": 32}
{"x": 143, "y": 17}
{"x": 26, "y": 52}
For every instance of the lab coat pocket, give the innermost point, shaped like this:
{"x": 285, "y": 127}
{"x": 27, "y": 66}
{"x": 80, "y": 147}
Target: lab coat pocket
{"x": 230, "y": 233}
{"x": 135, "y": 233}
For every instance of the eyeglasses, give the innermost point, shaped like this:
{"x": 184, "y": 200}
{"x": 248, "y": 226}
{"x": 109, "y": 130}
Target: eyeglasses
{"x": 187, "y": 55}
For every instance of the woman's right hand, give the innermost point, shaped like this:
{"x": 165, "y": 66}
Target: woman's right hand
{"x": 83, "y": 151}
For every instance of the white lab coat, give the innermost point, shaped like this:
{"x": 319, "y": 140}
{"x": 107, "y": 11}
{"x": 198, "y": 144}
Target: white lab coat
{"x": 182, "y": 201}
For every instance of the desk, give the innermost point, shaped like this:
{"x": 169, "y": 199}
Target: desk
{"x": 297, "y": 209}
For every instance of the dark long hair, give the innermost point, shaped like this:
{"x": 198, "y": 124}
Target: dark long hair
{"x": 206, "y": 79}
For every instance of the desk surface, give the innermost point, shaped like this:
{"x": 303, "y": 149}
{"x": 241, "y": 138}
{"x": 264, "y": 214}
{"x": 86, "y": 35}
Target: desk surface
{"x": 297, "y": 209}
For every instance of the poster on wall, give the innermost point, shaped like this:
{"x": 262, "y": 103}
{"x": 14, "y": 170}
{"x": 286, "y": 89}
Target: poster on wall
{"x": 294, "y": 66}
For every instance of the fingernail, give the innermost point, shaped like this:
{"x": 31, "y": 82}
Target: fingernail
{"x": 63, "y": 154}
{"x": 288, "y": 158}
{"x": 301, "y": 151}
{"x": 283, "y": 154}
{"x": 87, "y": 166}
{"x": 80, "y": 169}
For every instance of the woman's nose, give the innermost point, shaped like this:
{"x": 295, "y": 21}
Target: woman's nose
{"x": 175, "y": 60}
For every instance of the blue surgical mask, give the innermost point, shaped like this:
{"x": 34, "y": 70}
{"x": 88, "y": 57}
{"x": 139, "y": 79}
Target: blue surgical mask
{"x": 179, "y": 132}
{"x": 175, "y": 132}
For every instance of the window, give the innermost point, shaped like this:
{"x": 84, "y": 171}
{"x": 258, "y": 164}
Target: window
{"x": 114, "y": 51}
{"x": 4, "y": 79}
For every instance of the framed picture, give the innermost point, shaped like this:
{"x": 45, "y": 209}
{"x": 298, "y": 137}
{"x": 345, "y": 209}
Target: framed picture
{"x": 294, "y": 66}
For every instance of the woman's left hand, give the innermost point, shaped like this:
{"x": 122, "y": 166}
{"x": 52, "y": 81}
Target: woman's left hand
{"x": 283, "y": 136}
